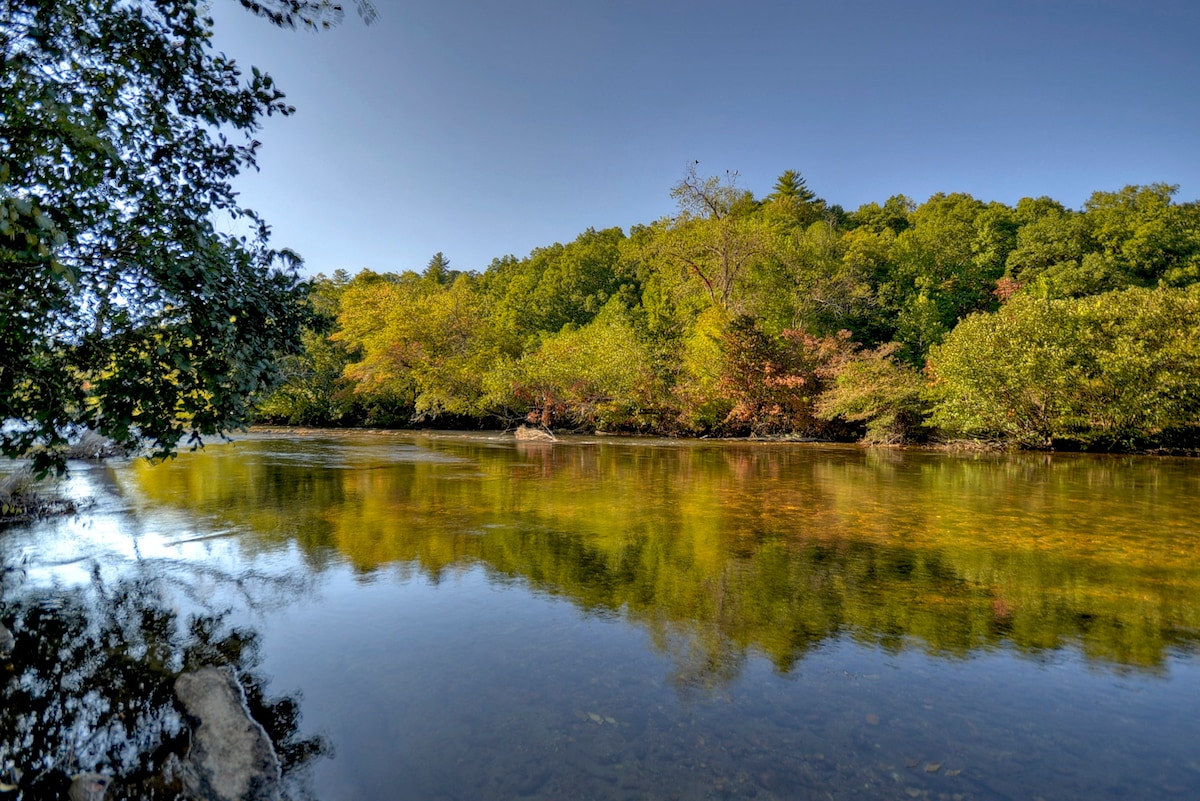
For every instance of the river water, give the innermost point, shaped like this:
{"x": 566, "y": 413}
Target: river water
{"x": 468, "y": 617}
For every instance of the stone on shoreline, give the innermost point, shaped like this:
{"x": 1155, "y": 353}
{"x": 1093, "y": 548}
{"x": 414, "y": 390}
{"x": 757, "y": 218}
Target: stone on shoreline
{"x": 88, "y": 787}
{"x": 7, "y": 641}
{"x": 231, "y": 757}
{"x": 528, "y": 434}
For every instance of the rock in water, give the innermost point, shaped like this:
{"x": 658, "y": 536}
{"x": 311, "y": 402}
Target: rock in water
{"x": 231, "y": 758}
{"x": 88, "y": 787}
{"x": 528, "y": 434}
{"x": 7, "y": 641}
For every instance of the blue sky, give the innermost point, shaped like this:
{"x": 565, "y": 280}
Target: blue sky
{"x": 480, "y": 128}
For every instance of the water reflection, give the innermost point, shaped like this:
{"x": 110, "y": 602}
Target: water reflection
{"x": 88, "y": 687}
{"x": 725, "y": 548}
{"x": 469, "y": 618}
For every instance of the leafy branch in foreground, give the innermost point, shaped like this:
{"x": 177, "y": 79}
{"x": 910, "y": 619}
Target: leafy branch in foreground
{"x": 123, "y": 309}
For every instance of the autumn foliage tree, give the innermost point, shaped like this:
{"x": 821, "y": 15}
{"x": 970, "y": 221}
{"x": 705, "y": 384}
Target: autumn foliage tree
{"x": 774, "y": 382}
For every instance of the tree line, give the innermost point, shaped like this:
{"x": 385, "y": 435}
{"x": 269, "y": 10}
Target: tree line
{"x": 125, "y": 310}
{"x": 1033, "y": 325}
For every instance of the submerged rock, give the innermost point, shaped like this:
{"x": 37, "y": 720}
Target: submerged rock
{"x": 7, "y": 641}
{"x": 529, "y": 434}
{"x": 88, "y": 787}
{"x": 231, "y": 757}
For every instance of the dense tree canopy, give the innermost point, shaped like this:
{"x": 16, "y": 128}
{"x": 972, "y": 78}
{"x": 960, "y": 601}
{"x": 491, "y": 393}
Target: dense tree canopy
{"x": 1116, "y": 369}
{"x": 123, "y": 308}
{"x": 1033, "y": 325}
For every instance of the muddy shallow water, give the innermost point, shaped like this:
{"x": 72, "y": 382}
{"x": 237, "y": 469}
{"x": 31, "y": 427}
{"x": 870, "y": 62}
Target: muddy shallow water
{"x": 468, "y": 617}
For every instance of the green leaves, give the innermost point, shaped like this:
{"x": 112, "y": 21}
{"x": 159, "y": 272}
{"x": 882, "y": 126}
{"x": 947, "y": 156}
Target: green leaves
{"x": 1113, "y": 370}
{"x": 737, "y": 315}
{"x": 124, "y": 310}
{"x": 596, "y": 376}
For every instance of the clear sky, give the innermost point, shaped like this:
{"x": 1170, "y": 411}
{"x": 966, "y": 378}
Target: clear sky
{"x": 480, "y": 128}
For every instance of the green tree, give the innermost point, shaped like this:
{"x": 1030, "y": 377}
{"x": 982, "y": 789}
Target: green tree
{"x": 1134, "y": 237}
{"x": 1121, "y": 369}
{"x": 371, "y": 325}
{"x": 944, "y": 266}
{"x": 1051, "y": 245}
{"x": 1145, "y": 235}
{"x": 716, "y": 240}
{"x": 596, "y": 376}
{"x": 894, "y": 215}
{"x": 791, "y": 185}
{"x": 792, "y": 202}
{"x": 556, "y": 285}
{"x": 873, "y": 388}
{"x": 309, "y": 14}
{"x": 438, "y": 271}
{"x": 313, "y": 389}
{"x": 419, "y": 350}
{"x": 1013, "y": 375}
{"x": 1144, "y": 385}
{"x": 693, "y": 369}
{"x": 453, "y": 342}
{"x": 831, "y": 282}
{"x": 122, "y": 308}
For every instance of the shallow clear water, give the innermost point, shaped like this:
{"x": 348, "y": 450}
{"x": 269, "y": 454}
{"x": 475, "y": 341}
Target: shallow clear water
{"x": 467, "y": 617}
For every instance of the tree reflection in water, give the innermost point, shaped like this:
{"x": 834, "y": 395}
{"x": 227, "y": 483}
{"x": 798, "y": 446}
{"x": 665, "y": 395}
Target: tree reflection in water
{"x": 89, "y": 687}
{"x": 722, "y": 550}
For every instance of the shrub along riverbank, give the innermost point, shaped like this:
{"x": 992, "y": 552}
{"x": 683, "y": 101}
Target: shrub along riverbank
{"x": 1031, "y": 325}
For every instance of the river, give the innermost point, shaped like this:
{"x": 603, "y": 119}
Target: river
{"x": 463, "y": 616}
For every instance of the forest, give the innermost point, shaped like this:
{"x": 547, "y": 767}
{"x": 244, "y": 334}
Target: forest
{"x": 1032, "y": 326}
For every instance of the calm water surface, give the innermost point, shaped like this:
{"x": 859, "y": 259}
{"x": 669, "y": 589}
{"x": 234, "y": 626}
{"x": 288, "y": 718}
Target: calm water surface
{"x": 468, "y": 617}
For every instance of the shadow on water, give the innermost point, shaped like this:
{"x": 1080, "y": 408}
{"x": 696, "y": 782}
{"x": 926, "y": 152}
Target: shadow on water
{"x": 88, "y": 686}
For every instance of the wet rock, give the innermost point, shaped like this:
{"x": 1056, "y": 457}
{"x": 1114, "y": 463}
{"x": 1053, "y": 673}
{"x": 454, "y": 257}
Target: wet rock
{"x": 7, "y": 641}
{"x": 231, "y": 757}
{"x": 528, "y": 434}
{"x": 88, "y": 787}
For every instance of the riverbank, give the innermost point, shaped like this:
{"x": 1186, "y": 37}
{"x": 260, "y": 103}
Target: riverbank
{"x": 931, "y": 446}
{"x": 24, "y": 499}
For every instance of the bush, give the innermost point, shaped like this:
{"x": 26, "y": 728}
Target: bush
{"x": 876, "y": 389}
{"x": 21, "y": 498}
{"x": 1115, "y": 370}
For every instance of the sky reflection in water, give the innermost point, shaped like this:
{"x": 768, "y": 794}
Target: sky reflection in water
{"x": 464, "y": 617}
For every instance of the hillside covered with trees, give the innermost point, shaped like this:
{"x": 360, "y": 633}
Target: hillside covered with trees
{"x": 1036, "y": 325}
